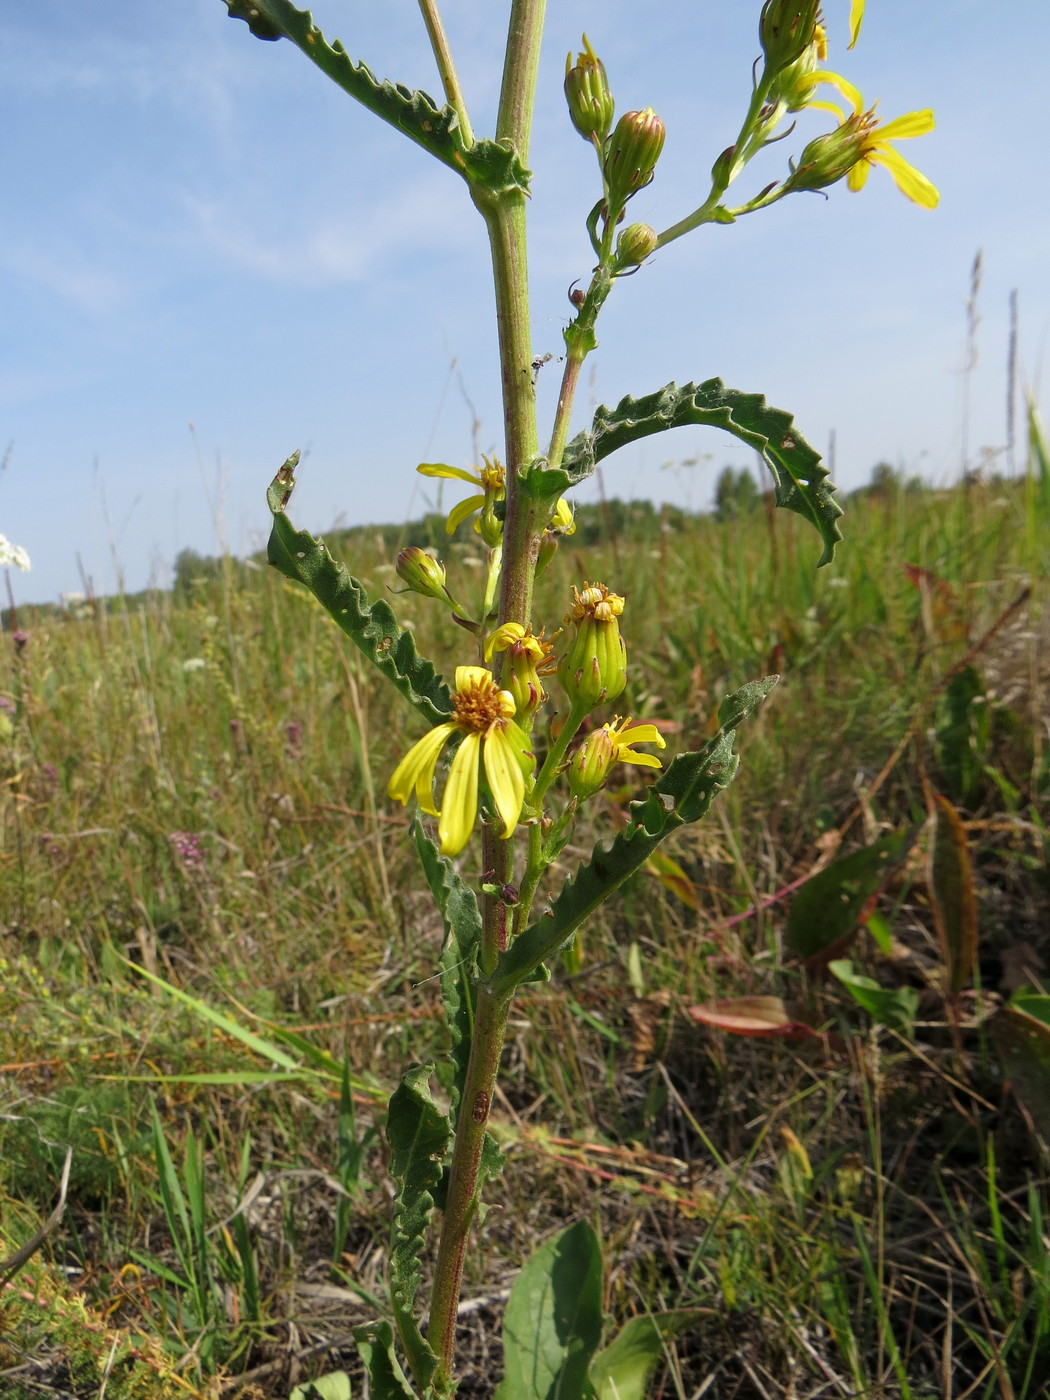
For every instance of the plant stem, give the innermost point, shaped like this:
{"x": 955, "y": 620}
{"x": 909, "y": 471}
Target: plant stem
{"x": 460, "y": 1205}
{"x": 446, "y": 67}
{"x": 504, "y": 215}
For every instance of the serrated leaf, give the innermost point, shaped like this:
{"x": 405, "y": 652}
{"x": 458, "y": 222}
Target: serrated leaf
{"x": 894, "y": 1007}
{"x": 828, "y": 909}
{"x": 414, "y": 113}
{"x": 952, "y": 895}
{"x": 418, "y": 1134}
{"x": 621, "y": 1371}
{"x": 800, "y": 478}
{"x": 553, "y": 1322}
{"x": 459, "y": 954}
{"x": 683, "y": 793}
{"x": 370, "y": 626}
{"x": 376, "y": 1346}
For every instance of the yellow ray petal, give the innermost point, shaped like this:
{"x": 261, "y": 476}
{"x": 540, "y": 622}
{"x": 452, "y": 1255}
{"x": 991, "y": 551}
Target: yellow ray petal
{"x": 504, "y": 776}
{"x": 416, "y": 770}
{"x": 909, "y": 181}
{"x": 911, "y": 124}
{"x": 439, "y": 469}
{"x": 856, "y": 19}
{"x": 458, "y": 514}
{"x": 459, "y": 805}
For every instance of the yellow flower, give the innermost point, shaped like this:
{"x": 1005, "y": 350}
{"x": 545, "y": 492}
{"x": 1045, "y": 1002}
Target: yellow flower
{"x": 872, "y": 140}
{"x": 492, "y": 743}
{"x": 613, "y": 743}
{"x": 493, "y": 482}
{"x": 528, "y": 658}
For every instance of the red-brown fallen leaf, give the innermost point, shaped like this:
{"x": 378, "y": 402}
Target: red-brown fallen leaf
{"x": 755, "y": 1016}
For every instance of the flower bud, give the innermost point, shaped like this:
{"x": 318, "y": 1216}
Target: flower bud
{"x": 634, "y": 245}
{"x": 793, "y": 84}
{"x": 786, "y": 29}
{"x": 590, "y": 764}
{"x": 594, "y": 669}
{"x": 591, "y": 104}
{"x": 634, "y": 149}
{"x": 548, "y": 549}
{"x": 831, "y": 157}
{"x": 526, "y": 659}
{"x": 422, "y": 573}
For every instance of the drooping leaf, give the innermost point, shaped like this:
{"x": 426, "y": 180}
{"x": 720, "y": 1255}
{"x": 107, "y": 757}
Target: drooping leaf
{"x": 800, "y": 478}
{"x": 951, "y": 889}
{"x": 621, "y": 1371}
{"x": 418, "y": 1134}
{"x": 415, "y": 114}
{"x": 893, "y": 1007}
{"x": 1021, "y": 1031}
{"x": 828, "y": 909}
{"x": 682, "y": 793}
{"x": 371, "y": 626}
{"x": 376, "y": 1345}
{"x": 761, "y": 1017}
{"x": 553, "y": 1323}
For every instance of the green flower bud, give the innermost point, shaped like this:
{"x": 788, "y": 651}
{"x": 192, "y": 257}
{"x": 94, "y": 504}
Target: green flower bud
{"x": 634, "y": 245}
{"x": 422, "y": 572}
{"x": 829, "y": 158}
{"x": 548, "y": 549}
{"x": 591, "y": 763}
{"x": 786, "y": 29}
{"x": 594, "y": 669}
{"x": 591, "y": 104}
{"x": 634, "y": 149}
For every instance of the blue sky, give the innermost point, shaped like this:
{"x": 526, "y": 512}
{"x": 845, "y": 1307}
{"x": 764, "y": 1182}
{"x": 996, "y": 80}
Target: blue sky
{"x": 199, "y": 228}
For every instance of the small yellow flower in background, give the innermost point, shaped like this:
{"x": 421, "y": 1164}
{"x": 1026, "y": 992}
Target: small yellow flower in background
{"x": 491, "y": 743}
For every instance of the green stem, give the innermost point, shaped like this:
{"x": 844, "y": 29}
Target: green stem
{"x": 461, "y": 1203}
{"x": 504, "y": 215}
{"x": 446, "y": 67}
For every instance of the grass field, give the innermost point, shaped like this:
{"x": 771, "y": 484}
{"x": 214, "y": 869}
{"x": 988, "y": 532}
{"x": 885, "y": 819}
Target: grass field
{"x": 193, "y": 798}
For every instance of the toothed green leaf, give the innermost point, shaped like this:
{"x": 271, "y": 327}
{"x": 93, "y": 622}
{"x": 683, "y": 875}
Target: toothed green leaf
{"x": 418, "y": 1134}
{"x": 416, "y": 114}
{"x": 372, "y": 626}
{"x": 683, "y": 793}
{"x": 801, "y": 480}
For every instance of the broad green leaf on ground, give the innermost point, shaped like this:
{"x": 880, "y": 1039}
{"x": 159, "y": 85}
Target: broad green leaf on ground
{"x": 418, "y": 1134}
{"x": 952, "y": 896}
{"x": 963, "y": 731}
{"x": 893, "y": 1007}
{"x": 553, "y": 1323}
{"x": 682, "y": 793}
{"x": 334, "y": 1386}
{"x": 415, "y": 114}
{"x": 459, "y": 966}
{"x": 828, "y": 909}
{"x": 800, "y": 478}
{"x": 762, "y": 1017}
{"x": 621, "y": 1371}
{"x": 1021, "y": 1031}
{"x": 387, "y": 1380}
{"x": 371, "y": 626}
